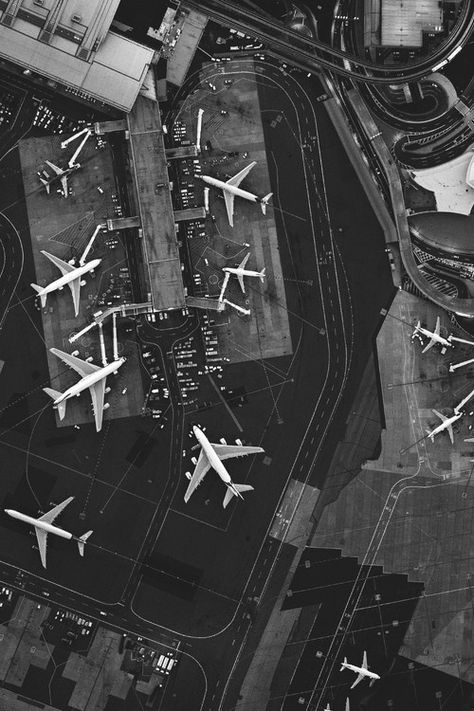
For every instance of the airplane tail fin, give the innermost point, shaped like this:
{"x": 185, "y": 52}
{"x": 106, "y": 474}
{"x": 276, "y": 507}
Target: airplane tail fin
{"x": 264, "y": 202}
{"x": 262, "y": 275}
{"x": 235, "y": 490}
{"x": 54, "y": 394}
{"x": 81, "y": 540}
{"x": 343, "y": 665}
{"x": 39, "y": 289}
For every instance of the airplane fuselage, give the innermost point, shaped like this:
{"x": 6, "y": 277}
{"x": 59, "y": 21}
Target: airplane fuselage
{"x": 360, "y": 670}
{"x": 89, "y": 380}
{"x": 444, "y": 425}
{"x": 70, "y": 276}
{"x": 242, "y": 272}
{"x": 229, "y": 188}
{"x": 48, "y": 527}
{"x": 212, "y": 457}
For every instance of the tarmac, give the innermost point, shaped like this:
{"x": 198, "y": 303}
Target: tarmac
{"x": 63, "y": 227}
{"x": 232, "y": 125}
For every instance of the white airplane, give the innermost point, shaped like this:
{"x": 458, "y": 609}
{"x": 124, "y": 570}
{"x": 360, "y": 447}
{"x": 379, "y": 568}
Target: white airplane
{"x": 70, "y": 276}
{"x": 240, "y": 272}
{"x": 348, "y": 705}
{"x": 328, "y": 708}
{"x": 446, "y": 424}
{"x": 230, "y": 189}
{"x": 434, "y": 336}
{"x": 60, "y": 174}
{"x": 211, "y": 455}
{"x": 92, "y": 377}
{"x": 362, "y": 671}
{"x": 44, "y": 525}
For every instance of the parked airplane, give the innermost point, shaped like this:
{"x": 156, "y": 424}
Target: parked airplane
{"x": 70, "y": 276}
{"x": 362, "y": 671}
{"x": 60, "y": 174}
{"x": 211, "y": 455}
{"x": 434, "y": 336}
{"x": 44, "y": 525}
{"x": 92, "y": 377}
{"x": 446, "y": 424}
{"x": 230, "y": 189}
{"x": 240, "y": 272}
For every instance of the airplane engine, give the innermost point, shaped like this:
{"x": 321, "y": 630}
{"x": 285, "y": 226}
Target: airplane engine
{"x": 107, "y": 390}
{"x": 75, "y": 353}
{"x": 106, "y": 405}
{"x": 60, "y": 288}
{"x": 83, "y": 283}
{"x": 188, "y": 475}
{"x": 90, "y": 359}
{"x": 222, "y": 440}
{"x": 194, "y": 460}
{"x": 239, "y": 442}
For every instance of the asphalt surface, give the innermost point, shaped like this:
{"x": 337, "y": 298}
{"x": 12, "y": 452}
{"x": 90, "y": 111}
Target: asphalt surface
{"x": 323, "y": 327}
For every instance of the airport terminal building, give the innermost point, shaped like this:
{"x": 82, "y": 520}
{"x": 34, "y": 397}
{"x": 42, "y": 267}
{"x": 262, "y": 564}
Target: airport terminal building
{"x": 74, "y": 48}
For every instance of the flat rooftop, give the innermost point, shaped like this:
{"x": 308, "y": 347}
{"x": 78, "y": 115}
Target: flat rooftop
{"x": 111, "y": 72}
{"x": 403, "y": 23}
{"x": 160, "y": 244}
{"x": 186, "y": 45}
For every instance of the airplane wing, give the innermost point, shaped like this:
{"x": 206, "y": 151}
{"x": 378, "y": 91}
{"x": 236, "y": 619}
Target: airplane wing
{"x": 202, "y": 467}
{"x": 75, "y": 286}
{"x": 358, "y": 679}
{"x": 42, "y": 538}
{"x": 63, "y": 267}
{"x": 54, "y": 513}
{"x": 441, "y": 417}
{"x": 97, "y": 392}
{"x": 364, "y": 661}
{"x": 241, "y": 282}
{"x": 80, "y": 366}
{"x": 56, "y": 169}
{"x": 450, "y": 432}
{"x": 437, "y": 327}
{"x": 224, "y": 285}
{"x": 237, "y": 179}
{"x": 427, "y": 347}
{"x": 229, "y": 204}
{"x": 244, "y": 261}
{"x": 226, "y": 451}
{"x": 64, "y": 184}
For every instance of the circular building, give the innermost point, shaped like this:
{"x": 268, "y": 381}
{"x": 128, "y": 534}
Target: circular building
{"x": 444, "y": 234}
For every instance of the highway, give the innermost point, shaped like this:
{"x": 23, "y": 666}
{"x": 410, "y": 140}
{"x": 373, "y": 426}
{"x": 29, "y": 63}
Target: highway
{"x": 310, "y": 54}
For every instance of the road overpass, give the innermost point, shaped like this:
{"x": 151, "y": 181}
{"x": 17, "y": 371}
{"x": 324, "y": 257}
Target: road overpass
{"x": 310, "y": 54}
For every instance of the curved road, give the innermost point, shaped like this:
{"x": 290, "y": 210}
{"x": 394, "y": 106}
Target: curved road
{"x": 309, "y": 53}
